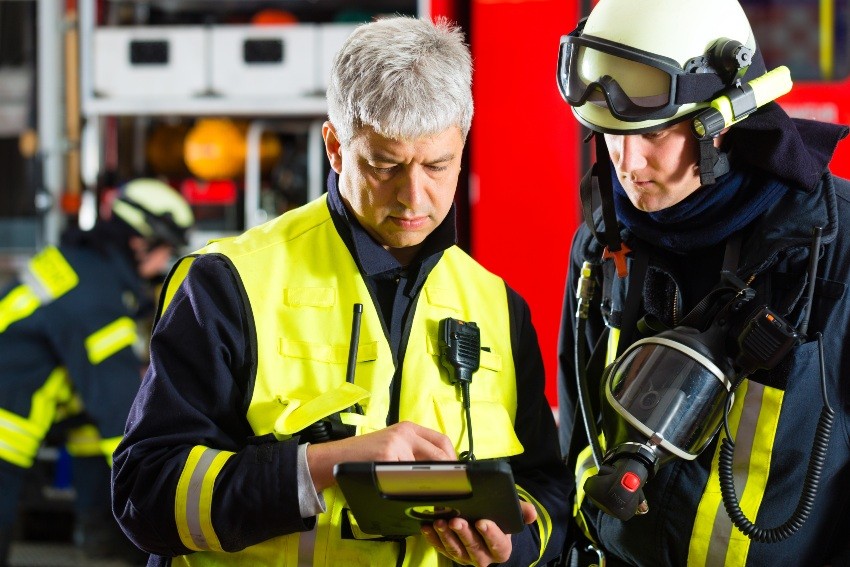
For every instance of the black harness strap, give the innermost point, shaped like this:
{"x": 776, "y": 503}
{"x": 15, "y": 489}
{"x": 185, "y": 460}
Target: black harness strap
{"x": 598, "y": 180}
{"x": 634, "y": 299}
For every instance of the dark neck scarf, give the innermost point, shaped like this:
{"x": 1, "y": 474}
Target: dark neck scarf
{"x": 707, "y": 217}
{"x": 772, "y": 151}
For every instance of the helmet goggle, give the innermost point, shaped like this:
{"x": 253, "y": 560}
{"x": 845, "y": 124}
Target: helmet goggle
{"x": 646, "y": 86}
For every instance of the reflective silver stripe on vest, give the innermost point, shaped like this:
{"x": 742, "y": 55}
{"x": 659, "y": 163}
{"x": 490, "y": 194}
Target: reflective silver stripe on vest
{"x": 753, "y": 420}
{"x": 744, "y": 436}
{"x": 306, "y": 547}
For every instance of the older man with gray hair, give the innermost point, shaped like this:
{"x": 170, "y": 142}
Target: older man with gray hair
{"x": 247, "y": 407}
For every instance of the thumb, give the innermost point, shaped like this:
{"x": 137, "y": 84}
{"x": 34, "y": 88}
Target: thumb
{"x": 529, "y": 512}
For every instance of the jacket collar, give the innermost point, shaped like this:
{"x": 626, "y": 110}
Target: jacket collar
{"x": 788, "y": 224}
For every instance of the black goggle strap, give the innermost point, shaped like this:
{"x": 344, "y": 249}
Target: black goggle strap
{"x": 700, "y": 87}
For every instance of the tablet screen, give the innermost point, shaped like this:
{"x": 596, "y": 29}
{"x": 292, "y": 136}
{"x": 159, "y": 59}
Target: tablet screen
{"x": 423, "y": 480}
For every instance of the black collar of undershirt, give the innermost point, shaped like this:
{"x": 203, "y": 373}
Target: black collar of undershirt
{"x": 371, "y": 257}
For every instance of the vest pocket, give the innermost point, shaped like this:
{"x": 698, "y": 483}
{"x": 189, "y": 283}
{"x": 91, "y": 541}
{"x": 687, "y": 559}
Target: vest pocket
{"x": 309, "y": 297}
{"x": 333, "y": 354}
{"x": 314, "y": 368}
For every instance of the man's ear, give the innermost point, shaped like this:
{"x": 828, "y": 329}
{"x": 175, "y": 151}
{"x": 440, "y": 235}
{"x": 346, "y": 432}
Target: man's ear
{"x": 333, "y": 147}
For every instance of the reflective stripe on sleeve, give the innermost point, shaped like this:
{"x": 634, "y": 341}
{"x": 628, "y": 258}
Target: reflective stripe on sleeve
{"x": 52, "y": 272}
{"x": 20, "y": 437}
{"x": 18, "y": 304}
{"x": 47, "y": 277}
{"x": 585, "y": 468}
{"x": 544, "y": 521}
{"x": 193, "y": 500}
{"x": 83, "y": 441}
{"x": 753, "y": 420}
{"x": 115, "y": 336}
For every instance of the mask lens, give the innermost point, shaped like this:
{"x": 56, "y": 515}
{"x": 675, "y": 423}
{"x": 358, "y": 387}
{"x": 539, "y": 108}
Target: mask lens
{"x": 666, "y": 392}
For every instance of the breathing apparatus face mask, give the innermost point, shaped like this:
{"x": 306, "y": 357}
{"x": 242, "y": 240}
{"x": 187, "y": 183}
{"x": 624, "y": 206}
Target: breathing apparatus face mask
{"x": 668, "y": 392}
{"x": 664, "y": 397}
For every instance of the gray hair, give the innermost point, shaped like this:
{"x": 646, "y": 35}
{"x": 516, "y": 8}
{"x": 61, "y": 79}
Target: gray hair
{"x": 405, "y": 77}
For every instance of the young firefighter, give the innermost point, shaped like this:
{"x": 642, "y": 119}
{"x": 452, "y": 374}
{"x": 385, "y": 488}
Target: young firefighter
{"x": 716, "y": 256}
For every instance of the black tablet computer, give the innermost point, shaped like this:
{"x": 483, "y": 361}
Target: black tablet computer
{"x": 396, "y": 498}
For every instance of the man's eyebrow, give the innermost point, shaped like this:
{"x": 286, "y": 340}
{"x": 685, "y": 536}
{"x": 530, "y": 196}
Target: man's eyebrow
{"x": 382, "y": 157}
{"x": 389, "y": 158}
{"x": 449, "y": 156}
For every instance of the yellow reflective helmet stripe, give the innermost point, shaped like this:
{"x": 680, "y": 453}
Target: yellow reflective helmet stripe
{"x": 544, "y": 521}
{"x": 21, "y": 437}
{"x": 753, "y": 420}
{"x": 115, "y": 336}
{"x": 193, "y": 500}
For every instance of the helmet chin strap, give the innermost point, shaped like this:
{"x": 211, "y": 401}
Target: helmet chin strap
{"x": 598, "y": 180}
{"x": 712, "y": 162}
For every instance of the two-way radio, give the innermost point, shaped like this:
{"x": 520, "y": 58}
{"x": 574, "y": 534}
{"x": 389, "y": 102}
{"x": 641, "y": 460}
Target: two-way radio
{"x": 460, "y": 354}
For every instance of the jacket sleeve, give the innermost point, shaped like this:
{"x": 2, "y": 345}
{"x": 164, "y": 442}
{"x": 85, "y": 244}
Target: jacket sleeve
{"x": 188, "y": 474}
{"x": 539, "y": 472}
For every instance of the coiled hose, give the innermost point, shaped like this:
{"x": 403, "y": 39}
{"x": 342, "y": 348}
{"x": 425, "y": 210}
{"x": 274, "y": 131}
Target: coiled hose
{"x": 810, "y": 485}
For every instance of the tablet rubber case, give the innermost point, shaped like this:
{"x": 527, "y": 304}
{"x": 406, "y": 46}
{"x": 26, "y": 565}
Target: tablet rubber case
{"x": 489, "y": 493}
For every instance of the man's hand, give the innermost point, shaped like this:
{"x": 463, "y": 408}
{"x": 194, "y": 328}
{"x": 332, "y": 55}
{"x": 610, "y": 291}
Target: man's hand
{"x": 480, "y": 545}
{"x": 405, "y": 441}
